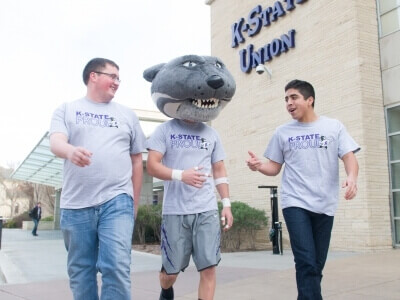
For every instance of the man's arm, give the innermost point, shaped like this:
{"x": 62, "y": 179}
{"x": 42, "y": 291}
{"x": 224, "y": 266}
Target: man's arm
{"x": 61, "y": 148}
{"x": 155, "y": 168}
{"x": 219, "y": 172}
{"x": 269, "y": 168}
{"x": 137, "y": 178}
{"x": 351, "y": 167}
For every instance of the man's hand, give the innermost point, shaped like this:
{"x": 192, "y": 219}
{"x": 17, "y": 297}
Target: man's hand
{"x": 79, "y": 156}
{"x": 253, "y": 162}
{"x": 351, "y": 190}
{"x": 226, "y": 218}
{"x": 194, "y": 177}
{"x": 351, "y": 167}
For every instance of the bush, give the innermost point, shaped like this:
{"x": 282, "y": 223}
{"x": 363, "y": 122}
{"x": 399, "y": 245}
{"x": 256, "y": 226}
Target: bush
{"x": 48, "y": 218}
{"x": 16, "y": 222}
{"x": 246, "y": 221}
{"x": 148, "y": 224}
{"x": 10, "y": 224}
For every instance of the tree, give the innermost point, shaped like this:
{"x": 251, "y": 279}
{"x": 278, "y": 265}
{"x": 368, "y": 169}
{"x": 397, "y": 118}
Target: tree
{"x": 42, "y": 193}
{"x": 14, "y": 190}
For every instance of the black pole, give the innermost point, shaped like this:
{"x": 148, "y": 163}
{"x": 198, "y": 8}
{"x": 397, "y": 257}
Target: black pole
{"x": 273, "y": 190}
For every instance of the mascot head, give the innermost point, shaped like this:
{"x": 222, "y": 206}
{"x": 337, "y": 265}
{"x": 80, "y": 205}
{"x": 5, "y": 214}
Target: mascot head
{"x": 191, "y": 87}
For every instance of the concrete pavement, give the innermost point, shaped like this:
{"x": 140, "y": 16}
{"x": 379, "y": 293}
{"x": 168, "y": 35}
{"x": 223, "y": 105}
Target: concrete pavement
{"x": 34, "y": 268}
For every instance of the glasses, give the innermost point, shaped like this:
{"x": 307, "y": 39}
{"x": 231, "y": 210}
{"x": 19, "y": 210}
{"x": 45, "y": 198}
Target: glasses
{"x": 112, "y": 76}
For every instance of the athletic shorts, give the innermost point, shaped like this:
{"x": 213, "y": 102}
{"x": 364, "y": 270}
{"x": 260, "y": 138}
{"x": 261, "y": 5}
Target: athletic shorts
{"x": 196, "y": 235}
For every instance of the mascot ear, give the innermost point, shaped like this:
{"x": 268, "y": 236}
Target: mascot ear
{"x": 151, "y": 72}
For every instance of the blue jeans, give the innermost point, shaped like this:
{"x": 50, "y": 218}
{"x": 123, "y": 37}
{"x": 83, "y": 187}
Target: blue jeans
{"x": 310, "y": 234}
{"x": 35, "y": 225}
{"x": 100, "y": 239}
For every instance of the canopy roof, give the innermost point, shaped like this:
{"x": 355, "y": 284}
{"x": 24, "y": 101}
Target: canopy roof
{"x": 43, "y": 167}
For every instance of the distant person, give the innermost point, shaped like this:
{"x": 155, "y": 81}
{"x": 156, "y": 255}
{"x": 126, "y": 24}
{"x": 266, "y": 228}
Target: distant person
{"x": 36, "y": 215}
{"x": 309, "y": 146}
{"x": 102, "y": 143}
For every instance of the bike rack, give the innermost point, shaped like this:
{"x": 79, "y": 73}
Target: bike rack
{"x": 275, "y": 224}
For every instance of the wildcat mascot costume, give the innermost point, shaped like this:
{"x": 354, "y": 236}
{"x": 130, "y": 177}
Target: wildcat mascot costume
{"x": 188, "y": 155}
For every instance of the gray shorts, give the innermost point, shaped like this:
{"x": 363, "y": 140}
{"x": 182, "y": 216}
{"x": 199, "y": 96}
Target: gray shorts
{"x": 185, "y": 235}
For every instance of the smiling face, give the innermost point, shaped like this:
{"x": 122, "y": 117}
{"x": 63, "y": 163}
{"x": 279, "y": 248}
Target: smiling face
{"x": 299, "y": 108}
{"x": 191, "y": 87}
{"x": 105, "y": 83}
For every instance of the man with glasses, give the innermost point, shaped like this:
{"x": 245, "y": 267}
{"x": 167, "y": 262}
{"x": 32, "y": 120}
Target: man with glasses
{"x": 101, "y": 142}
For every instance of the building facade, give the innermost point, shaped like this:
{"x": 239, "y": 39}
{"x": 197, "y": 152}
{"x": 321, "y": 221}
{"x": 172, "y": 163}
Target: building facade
{"x": 348, "y": 50}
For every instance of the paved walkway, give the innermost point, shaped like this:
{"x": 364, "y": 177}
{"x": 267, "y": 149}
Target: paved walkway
{"x": 35, "y": 269}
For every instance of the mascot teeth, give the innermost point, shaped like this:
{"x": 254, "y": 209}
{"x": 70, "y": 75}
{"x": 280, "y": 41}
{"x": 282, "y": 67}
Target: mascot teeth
{"x": 208, "y": 103}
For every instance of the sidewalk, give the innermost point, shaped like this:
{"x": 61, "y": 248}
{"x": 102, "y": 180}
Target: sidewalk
{"x": 35, "y": 269}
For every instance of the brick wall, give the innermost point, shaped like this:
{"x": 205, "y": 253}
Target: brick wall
{"x": 337, "y": 51}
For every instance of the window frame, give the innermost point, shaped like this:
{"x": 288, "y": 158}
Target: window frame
{"x": 382, "y": 13}
{"x": 393, "y": 218}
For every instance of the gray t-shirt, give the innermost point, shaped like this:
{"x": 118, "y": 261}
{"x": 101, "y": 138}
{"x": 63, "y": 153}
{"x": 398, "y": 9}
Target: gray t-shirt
{"x": 184, "y": 146}
{"x": 310, "y": 152}
{"x": 111, "y": 132}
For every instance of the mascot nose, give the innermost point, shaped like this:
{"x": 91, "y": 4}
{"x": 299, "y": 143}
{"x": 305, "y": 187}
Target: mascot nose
{"x": 215, "y": 81}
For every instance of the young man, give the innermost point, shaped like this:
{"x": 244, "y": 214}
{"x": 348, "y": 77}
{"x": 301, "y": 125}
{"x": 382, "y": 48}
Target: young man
{"x": 36, "y": 215}
{"x": 309, "y": 146}
{"x": 101, "y": 142}
{"x": 186, "y": 153}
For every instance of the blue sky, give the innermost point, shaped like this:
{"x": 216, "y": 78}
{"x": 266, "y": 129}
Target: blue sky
{"x": 46, "y": 43}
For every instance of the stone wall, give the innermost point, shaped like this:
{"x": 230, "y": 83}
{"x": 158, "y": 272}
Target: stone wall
{"x": 336, "y": 49}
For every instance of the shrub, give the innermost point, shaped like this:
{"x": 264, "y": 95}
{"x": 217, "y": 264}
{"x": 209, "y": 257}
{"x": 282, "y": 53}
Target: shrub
{"x": 246, "y": 221}
{"x": 16, "y": 222}
{"x": 148, "y": 224}
{"x": 10, "y": 224}
{"x": 48, "y": 218}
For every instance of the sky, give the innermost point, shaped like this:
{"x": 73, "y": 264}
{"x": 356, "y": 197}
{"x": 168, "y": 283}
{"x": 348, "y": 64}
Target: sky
{"x": 45, "y": 45}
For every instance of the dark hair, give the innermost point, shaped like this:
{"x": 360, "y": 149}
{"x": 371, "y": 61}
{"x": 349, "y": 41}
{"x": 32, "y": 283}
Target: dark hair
{"x": 304, "y": 88}
{"x": 96, "y": 64}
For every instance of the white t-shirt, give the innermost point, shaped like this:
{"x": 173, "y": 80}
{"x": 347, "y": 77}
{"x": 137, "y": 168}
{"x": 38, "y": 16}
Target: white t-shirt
{"x": 310, "y": 152}
{"x": 112, "y": 133}
{"x": 184, "y": 146}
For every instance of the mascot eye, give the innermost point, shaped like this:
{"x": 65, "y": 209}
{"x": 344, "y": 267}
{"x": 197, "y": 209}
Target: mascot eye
{"x": 218, "y": 65}
{"x": 190, "y": 64}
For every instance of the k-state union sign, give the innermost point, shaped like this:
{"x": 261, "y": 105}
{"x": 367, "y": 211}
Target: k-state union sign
{"x": 256, "y": 20}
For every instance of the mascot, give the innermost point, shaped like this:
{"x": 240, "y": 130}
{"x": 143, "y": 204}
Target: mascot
{"x": 188, "y": 155}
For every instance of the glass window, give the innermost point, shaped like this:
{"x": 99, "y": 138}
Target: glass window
{"x": 390, "y": 21}
{"x": 396, "y": 204}
{"x": 397, "y": 231}
{"x": 395, "y": 176}
{"x": 393, "y": 127}
{"x": 393, "y": 119}
{"x": 394, "y": 147}
{"x": 385, "y": 5}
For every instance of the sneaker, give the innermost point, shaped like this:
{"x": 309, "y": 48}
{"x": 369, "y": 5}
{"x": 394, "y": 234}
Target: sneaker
{"x": 170, "y": 291}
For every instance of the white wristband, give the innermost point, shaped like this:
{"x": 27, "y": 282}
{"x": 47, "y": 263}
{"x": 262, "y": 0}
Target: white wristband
{"x": 176, "y": 174}
{"x": 221, "y": 180}
{"x": 226, "y": 202}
